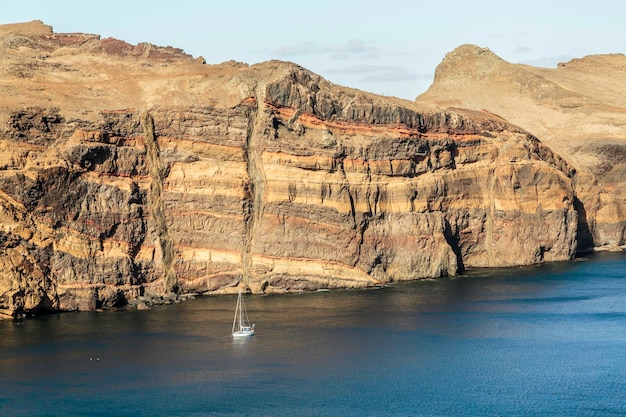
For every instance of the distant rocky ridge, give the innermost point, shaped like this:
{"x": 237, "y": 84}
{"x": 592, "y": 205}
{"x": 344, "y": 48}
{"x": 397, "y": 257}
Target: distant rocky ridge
{"x": 577, "y": 109}
{"x": 138, "y": 173}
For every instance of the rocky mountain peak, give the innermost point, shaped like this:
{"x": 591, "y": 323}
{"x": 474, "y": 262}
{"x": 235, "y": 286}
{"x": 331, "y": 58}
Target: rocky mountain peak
{"x": 467, "y": 61}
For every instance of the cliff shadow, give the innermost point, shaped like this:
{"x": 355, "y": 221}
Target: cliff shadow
{"x": 453, "y": 241}
{"x": 584, "y": 239}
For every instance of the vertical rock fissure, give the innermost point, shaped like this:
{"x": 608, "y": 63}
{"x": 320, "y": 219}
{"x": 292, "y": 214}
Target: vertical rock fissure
{"x": 139, "y": 235}
{"x": 255, "y": 187}
{"x": 490, "y": 216}
{"x": 359, "y": 228}
{"x": 155, "y": 201}
{"x": 372, "y": 199}
{"x": 345, "y": 186}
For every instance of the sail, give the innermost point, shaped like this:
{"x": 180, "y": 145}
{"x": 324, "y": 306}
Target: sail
{"x": 241, "y": 323}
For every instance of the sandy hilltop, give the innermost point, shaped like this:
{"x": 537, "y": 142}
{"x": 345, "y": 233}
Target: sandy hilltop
{"x": 138, "y": 173}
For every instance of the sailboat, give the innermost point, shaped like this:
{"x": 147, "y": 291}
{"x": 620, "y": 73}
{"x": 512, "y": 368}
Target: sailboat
{"x": 241, "y": 323}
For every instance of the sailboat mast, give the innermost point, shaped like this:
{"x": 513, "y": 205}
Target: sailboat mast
{"x": 236, "y": 311}
{"x": 240, "y": 308}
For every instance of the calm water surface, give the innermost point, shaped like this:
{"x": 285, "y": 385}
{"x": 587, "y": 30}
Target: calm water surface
{"x": 540, "y": 341}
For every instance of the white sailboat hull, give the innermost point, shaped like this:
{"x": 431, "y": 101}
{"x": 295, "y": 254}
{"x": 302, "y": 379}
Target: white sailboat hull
{"x": 245, "y": 332}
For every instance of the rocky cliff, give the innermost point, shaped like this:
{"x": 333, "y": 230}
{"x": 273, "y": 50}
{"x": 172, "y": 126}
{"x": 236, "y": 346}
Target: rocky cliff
{"x": 577, "y": 109}
{"x": 131, "y": 171}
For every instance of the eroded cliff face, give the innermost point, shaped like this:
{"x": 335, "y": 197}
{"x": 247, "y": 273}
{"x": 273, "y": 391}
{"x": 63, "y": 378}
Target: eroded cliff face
{"x": 577, "y": 109}
{"x": 152, "y": 174}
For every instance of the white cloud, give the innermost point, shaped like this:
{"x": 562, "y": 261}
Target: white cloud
{"x": 377, "y": 73}
{"x": 352, "y": 48}
{"x": 522, "y": 50}
{"x": 547, "y": 61}
{"x": 299, "y": 48}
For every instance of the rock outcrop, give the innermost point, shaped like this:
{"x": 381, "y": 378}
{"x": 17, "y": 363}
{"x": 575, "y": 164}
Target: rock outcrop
{"x": 577, "y": 109}
{"x": 139, "y": 171}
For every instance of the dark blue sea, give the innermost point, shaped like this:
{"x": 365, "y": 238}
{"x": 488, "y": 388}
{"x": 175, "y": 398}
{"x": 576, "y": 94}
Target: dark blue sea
{"x": 548, "y": 340}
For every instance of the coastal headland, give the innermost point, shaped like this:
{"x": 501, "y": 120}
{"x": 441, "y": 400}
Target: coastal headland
{"x": 138, "y": 172}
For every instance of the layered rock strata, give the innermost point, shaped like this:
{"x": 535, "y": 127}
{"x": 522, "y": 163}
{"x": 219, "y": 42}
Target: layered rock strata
{"x": 578, "y": 109}
{"x": 129, "y": 171}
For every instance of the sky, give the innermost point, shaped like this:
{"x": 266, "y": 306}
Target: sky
{"x": 388, "y": 47}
